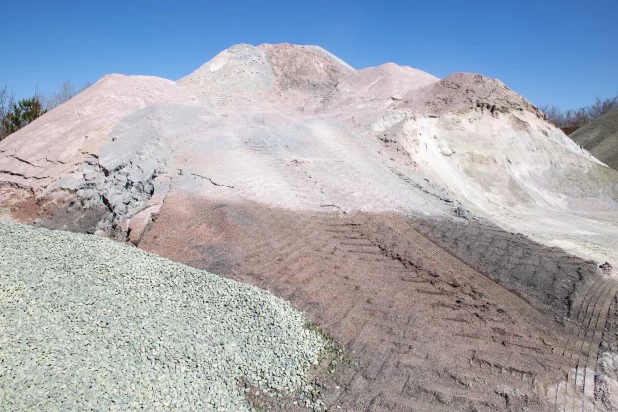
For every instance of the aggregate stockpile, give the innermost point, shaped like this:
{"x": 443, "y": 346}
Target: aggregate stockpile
{"x": 295, "y": 127}
{"x": 282, "y": 166}
{"x": 600, "y": 137}
{"x": 88, "y": 323}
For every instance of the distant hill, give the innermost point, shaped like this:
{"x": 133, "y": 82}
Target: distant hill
{"x": 600, "y": 137}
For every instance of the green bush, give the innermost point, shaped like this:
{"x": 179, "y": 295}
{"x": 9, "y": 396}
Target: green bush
{"x": 6, "y": 103}
{"x": 14, "y": 116}
{"x": 21, "y": 114}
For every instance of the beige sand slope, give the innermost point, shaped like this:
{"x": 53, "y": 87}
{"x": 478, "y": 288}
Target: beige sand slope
{"x": 600, "y": 137}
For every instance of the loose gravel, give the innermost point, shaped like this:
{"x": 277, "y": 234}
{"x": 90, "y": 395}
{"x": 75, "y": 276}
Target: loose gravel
{"x": 88, "y": 323}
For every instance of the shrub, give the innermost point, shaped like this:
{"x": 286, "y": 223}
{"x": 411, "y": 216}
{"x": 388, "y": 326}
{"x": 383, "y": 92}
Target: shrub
{"x": 66, "y": 92}
{"x": 14, "y": 116}
{"x": 22, "y": 113}
{"x": 7, "y": 99}
{"x": 571, "y": 120}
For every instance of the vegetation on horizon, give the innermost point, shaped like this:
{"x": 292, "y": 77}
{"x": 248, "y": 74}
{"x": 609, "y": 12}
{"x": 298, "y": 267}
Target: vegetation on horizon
{"x": 571, "y": 120}
{"x": 66, "y": 92}
{"x": 21, "y": 113}
{"x": 15, "y": 115}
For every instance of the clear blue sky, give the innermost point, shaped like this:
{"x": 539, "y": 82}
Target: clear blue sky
{"x": 552, "y": 52}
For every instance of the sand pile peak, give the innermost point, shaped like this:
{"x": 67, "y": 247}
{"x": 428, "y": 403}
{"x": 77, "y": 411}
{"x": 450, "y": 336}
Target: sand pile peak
{"x": 463, "y": 91}
{"x": 296, "y": 127}
{"x": 238, "y": 74}
{"x": 305, "y": 67}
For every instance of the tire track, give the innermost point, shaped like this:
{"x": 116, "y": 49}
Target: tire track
{"x": 578, "y": 343}
{"x": 358, "y": 238}
{"x": 497, "y": 293}
{"x": 577, "y": 392}
{"x": 399, "y": 315}
{"x": 591, "y": 315}
{"x": 585, "y": 345}
{"x": 565, "y": 391}
{"x": 593, "y": 354}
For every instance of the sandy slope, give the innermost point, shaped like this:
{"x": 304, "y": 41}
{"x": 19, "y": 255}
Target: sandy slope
{"x": 66, "y": 136}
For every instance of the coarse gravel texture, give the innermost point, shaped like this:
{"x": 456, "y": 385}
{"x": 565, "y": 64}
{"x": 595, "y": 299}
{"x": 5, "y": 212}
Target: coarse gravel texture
{"x": 600, "y": 137}
{"x": 88, "y": 323}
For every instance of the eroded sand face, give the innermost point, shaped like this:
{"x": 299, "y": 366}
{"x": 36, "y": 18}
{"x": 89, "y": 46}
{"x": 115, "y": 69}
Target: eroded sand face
{"x": 522, "y": 174}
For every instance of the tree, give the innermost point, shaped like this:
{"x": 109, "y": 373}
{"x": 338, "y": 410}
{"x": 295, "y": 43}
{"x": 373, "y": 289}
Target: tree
{"x": 21, "y": 114}
{"x": 66, "y": 92}
{"x": 600, "y": 107}
{"x": 15, "y": 116}
{"x": 571, "y": 120}
{"x": 7, "y": 99}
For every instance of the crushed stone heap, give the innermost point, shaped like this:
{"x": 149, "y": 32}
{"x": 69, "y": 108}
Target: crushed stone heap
{"x": 88, "y": 323}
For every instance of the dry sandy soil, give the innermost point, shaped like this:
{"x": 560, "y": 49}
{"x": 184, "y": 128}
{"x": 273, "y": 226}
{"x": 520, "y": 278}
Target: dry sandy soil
{"x": 429, "y": 332}
{"x": 441, "y": 230}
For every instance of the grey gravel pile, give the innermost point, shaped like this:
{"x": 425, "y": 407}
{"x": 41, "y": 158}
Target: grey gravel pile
{"x": 88, "y": 323}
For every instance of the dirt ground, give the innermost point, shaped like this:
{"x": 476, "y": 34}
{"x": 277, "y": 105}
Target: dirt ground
{"x": 426, "y": 330}
{"x": 546, "y": 277}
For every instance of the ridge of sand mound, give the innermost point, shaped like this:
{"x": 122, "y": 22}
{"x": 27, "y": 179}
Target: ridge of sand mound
{"x": 600, "y": 138}
{"x": 240, "y": 73}
{"x": 58, "y": 142}
{"x": 464, "y": 90}
{"x": 516, "y": 169}
{"x": 304, "y": 67}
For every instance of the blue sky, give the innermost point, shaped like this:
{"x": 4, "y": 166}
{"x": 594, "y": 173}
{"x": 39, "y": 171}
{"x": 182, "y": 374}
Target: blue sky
{"x": 552, "y": 52}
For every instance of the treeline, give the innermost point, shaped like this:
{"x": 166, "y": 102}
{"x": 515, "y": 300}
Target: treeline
{"x": 16, "y": 114}
{"x": 571, "y": 120}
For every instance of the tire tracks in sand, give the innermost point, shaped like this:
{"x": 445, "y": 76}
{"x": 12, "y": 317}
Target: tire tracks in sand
{"x": 428, "y": 332}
